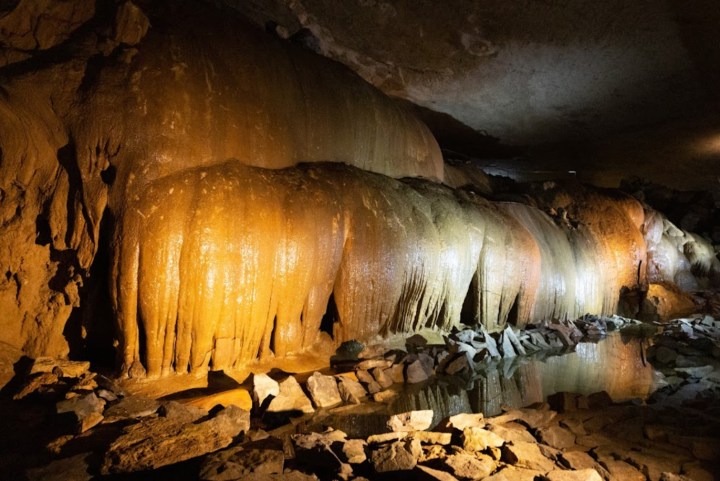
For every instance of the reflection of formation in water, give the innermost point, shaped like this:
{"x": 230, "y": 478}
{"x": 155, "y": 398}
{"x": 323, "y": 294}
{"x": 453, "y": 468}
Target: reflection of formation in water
{"x": 613, "y": 365}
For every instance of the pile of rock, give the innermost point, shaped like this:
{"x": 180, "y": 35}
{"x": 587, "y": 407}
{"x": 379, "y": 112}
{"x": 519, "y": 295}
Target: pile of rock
{"x": 687, "y": 352}
{"x": 587, "y": 439}
{"x": 153, "y": 433}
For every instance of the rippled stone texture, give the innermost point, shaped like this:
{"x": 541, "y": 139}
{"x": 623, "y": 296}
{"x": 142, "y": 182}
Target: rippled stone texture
{"x": 217, "y": 266}
{"x": 97, "y": 103}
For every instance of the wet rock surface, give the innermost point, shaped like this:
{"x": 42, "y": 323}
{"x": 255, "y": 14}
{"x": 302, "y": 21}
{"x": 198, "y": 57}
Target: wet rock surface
{"x": 572, "y": 437}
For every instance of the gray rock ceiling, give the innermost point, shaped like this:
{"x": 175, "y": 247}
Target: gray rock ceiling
{"x": 606, "y": 88}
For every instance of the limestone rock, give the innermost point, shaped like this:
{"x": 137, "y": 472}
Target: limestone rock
{"x": 479, "y": 439}
{"x": 35, "y": 382}
{"x": 354, "y": 451}
{"x": 181, "y": 412}
{"x": 621, "y": 471}
{"x": 578, "y": 460}
{"x": 397, "y": 456}
{"x": 470, "y": 466}
{"x": 290, "y": 398}
{"x": 131, "y": 407}
{"x": 386, "y": 437}
{"x": 430, "y": 474}
{"x": 512, "y": 432}
{"x": 415, "y": 372}
{"x": 369, "y": 381}
{"x": 396, "y": 373}
{"x": 158, "y": 442}
{"x": 73, "y": 369}
{"x": 411, "y": 421}
{"x": 465, "y": 420}
{"x": 526, "y": 455}
{"x": 350, "y": 390}
{"x": 563, "y": 401}
{"x": 87, "y": 409}
{"x": 264, "y": 386}
{"x": 315, "y": 450}
{"x": 557, "y": 437}
{"x": 381, "y": 377}
{"x": 131, "y": 24}
{"x": 429, "y": 437}
{"x": 386, "y": 396}
{"x": 511, "y": 473}
{"x": 323, "y": 390}
{"x": 261, "y": 458}
{"x": 580, "y": 475}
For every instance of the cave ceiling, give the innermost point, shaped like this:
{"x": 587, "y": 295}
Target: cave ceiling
{"x": 607, "y": 89}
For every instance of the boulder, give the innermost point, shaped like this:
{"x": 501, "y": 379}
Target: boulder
{"x": 354, "y": 451}
{"x": 290, "y": 398}
{"x": 152, "y": 443}
{"x": 397, "y": 456}
{"x": 511, "y": 473}
{"x": 87, "y": 409}
{"x": 580, "y": 475}
{"x": 578, "y": 460}
{"x": 382, "y": 377}
{"x": 411, "y": 421}
{"x": 369, "y": 381}
{"x": 315, "y": 450}
{"x": 557, "y": 437}
{"x": 470, "y": 466}
{"x": 351, "y": 391}
{"x": 479, "y": 439}
{"x": 323, "y": 390}
{"x": 181, "y": 412}
{"x": 526, "y": 455}
{"x": 429, "y": 437}
{"x": 263, "y": 387}
{"x": 415, "y": 372}
{"x": 465, "y": 420}
{"x": 131, "y": 407}
{"x": 35, "y": 382}
{"x": 424, "y": 473}
{"x": 262, "y": 457}
{"x": 512, "y": 432}
{"x": 62, "y": 367}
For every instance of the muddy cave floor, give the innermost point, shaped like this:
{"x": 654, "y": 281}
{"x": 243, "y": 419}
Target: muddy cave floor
{"x": 672, "y": 434}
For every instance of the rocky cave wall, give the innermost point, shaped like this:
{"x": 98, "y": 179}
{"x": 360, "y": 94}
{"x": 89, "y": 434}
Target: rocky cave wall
{"x": 165, "y": 137}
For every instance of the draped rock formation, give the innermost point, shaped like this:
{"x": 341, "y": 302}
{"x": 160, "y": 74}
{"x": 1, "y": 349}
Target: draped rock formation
{"x": 219, "y": 265}
{"x": 99, "y": 98}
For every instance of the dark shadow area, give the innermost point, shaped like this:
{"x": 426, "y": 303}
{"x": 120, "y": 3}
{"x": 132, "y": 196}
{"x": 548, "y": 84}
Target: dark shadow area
{"x": 513, "y": 314}
{"x": 468, "y": 314}
{"x": 331, "y": 317}
{"x": 456, "y": 139}
{"x": 96, "y": 314}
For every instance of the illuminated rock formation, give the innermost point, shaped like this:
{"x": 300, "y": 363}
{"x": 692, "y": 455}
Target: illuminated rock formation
{"x": 678, "y": 257}
{"x": 95, "y": 104}
{"x": 217, "y": 266}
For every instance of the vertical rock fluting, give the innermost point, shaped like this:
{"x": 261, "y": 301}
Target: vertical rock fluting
{"x": 99, "y": 99}
{"x": 220, "y": 265}
{"x": 677, "y": 256}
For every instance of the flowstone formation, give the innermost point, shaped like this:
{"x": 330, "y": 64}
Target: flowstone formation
{"x": 99, "y": 98}
{"x": 217, "y": 266}
{"x": 248, "y": 199}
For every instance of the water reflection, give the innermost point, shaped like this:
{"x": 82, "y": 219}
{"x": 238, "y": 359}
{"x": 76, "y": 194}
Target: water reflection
{"x": 614, "y": 365}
